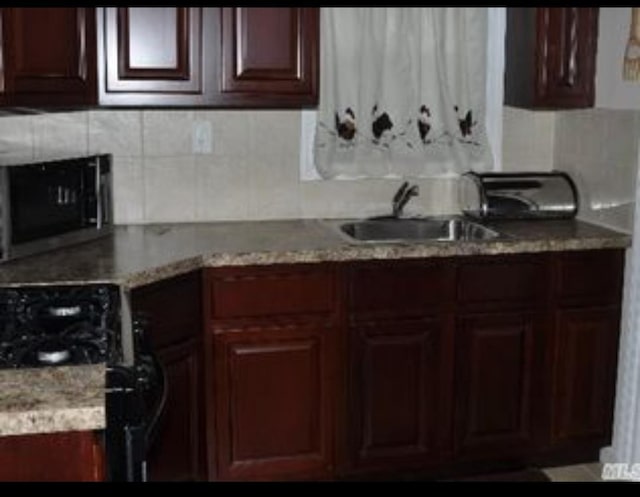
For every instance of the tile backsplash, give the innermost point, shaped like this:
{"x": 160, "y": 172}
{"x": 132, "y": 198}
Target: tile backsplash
{"x": 253, "y": 169}
{"x": 599, "y": 149}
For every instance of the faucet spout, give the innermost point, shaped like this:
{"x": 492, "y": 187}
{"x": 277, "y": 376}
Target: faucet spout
{"x": 402, "y": 196}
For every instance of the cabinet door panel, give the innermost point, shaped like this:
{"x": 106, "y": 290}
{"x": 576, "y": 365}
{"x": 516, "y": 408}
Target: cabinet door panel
{"x": 567, "y": 38}
{"x": 176, "y": 452}
{"x": 50, "y": 55}
{"x": 396, "y": 393}
{"x": 272, "y": 404}
{"x": 52, "y": 457}
{"x": 495, "y": 357}
{"x": 586, "y": 348}
{"x": 156, "y": 56}
{"x": 270, "y": 53}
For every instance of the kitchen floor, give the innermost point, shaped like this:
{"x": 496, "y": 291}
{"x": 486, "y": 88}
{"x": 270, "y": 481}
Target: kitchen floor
{"x": 577, "y": 472}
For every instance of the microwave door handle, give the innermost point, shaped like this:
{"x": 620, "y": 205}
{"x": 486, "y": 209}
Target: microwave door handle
{"x": 98, "y": 194}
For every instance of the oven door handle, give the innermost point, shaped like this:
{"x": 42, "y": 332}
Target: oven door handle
{"x": 152, "y": 422}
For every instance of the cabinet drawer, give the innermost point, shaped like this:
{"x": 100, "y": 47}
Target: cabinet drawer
{"x": 254, "y": 292}
{"x": 399, "y": 288}
{"x": 503, "y": 281}
{"x": 590, "y": 277}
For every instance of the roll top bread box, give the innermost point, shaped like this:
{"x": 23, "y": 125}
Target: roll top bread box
{"x": 547, "y": 195}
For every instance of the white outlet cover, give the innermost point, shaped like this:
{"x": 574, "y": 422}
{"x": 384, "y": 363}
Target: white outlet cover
{"x": 202, "y": 137}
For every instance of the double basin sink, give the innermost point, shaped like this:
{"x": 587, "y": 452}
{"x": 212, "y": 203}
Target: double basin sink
{"x": 403, "y": 230}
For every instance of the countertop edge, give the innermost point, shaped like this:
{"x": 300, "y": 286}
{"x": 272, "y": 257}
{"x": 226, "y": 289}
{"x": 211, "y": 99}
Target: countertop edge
{"x": 355, "y": 252}
{"x": 52, "y": 420}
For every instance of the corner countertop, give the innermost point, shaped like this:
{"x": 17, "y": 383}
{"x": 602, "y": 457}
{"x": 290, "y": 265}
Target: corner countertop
{"x": 46, "y": 400}
{"x": 136, "y": 255}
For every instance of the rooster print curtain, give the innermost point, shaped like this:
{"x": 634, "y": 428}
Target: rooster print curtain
{"x": 402, "y": 92}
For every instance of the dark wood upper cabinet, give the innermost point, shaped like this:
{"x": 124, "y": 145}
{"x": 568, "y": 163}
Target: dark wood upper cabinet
{"x": 208, "y": 57}
{"x": 49, "y": 56}
{"x": 270, "y": 56}
{"x": 156, "y": 55}
{"x": 551, "y": 57}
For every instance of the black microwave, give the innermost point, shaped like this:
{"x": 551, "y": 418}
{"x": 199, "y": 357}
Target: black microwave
{"x": 47, "y": 205}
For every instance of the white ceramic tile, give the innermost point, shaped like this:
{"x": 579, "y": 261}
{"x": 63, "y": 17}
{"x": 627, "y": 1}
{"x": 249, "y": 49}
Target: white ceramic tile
{"x": 60, "y": 135}
{"x": 128, "y": 190}
{"x": 16, "y": 139}
{"x": 230, "y": 132}
{"x": 167, "y": 133}
{"x": 527, "y": 142}
{"x": 221, "y": 190}
{"x": 116, "y": 132}
{"x": 169, "y": 189}
{"x": 272, "y": 166}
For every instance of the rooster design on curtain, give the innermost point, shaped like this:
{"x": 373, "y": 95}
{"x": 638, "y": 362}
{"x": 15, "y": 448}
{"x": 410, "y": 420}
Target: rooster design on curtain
{"x": 378, "y": 66}
{"x": 346, "y": 129}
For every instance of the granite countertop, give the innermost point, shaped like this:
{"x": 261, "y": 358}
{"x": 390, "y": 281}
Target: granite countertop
{"x": 46, "y": 400}
{"x": 140, "y": 254}
{"x": 72, "y": 398}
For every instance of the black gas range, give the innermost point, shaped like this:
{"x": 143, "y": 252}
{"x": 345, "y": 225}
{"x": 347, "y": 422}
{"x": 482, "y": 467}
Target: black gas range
{"x": 67, "y": 325}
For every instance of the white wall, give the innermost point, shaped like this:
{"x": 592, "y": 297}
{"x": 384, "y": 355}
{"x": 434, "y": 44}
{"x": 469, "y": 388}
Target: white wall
{"x": 611, "y": 90}
{"x": 252, "y": 172}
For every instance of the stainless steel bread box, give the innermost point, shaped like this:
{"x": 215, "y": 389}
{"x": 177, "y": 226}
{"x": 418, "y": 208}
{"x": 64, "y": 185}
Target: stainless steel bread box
{"x": 548, "y": 195}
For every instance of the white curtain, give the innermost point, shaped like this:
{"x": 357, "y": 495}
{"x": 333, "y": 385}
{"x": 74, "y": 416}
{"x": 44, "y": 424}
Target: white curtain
{"x": 402, "y": 92}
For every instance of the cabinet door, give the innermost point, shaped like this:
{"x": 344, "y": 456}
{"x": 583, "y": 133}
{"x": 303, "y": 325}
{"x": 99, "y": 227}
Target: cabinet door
{"x": 584, "y": 375}
{"x": 270, "y": 56}
{"x": 496, "y": 356}
{"x": 156, "y": 55}
{"x": 50, "y": 56}
{"x": 398, "y": 394}
{"x": 566, "y": 56}
{"x": 52, "y": 457}
{"x": 272, "y": 404}
{"x": 176, "y": 453}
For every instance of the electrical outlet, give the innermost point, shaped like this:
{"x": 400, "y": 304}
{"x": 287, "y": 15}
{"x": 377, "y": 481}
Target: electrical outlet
{"x": 202, "y": 137}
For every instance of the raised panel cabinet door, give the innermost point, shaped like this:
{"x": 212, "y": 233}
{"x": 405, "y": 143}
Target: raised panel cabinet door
{"x": 177, "y": 450}
{"x": 272, "y": 404}
{"x": 586, "y": 345}
{"x": 49, "y": 56}
{"x": 496, "y": 356}
{"x": 156, "y": 55}
{"x": 566, "y": 56}
{"x": 398, "y": 394}
{"x": 270, "y": 56}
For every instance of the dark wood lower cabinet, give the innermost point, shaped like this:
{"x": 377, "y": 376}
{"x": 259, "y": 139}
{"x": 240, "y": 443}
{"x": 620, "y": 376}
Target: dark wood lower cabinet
{"x": 320, "y": 371}
{"x": 272, "y": 403}
{"x": 76, "y": 456}
{"x": 176, "y": 454}
{"x": 497, "y": 356}
{"x": 398, "y": 393}
{"x": 586, "y": 348}
{"x": 173, "y": 308}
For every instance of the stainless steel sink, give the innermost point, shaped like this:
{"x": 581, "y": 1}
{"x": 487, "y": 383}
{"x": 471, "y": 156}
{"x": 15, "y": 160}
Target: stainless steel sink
{"x": 441, "y": 229}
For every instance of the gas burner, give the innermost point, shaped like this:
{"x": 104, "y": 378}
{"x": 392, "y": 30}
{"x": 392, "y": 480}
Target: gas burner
{"x": 53, "y": 326}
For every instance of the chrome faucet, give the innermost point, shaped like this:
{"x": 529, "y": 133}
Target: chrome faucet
{"x": 402, "y": 196}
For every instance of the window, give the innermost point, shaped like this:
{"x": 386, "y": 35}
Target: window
{"x": 380, "y": 115}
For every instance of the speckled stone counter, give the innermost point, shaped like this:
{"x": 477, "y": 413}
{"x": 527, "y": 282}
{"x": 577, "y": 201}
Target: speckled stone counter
{"x": 137, "y": 255}
{"x": 46, "y": 400}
